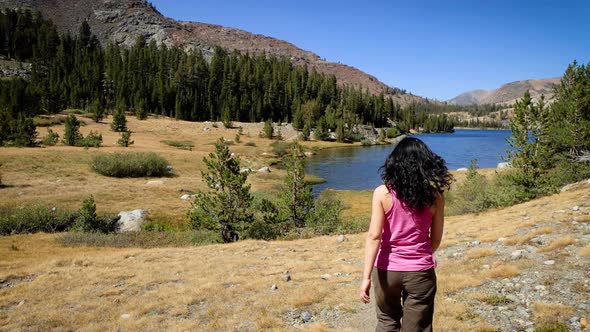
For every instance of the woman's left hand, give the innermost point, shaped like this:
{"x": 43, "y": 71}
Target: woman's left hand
{"x": 364, "y": 290}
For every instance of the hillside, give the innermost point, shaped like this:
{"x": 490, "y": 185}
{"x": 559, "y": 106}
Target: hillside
{"x": 124, "y": 21}
{"x": 507, "y": 93}
{"x": 506, "y": 270}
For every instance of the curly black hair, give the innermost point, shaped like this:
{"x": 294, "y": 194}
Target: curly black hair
{"x": 415, "y": 173}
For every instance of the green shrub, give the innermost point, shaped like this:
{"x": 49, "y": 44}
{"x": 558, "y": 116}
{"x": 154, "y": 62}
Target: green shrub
{"x": 119, "y": 123}
{"x": 392, "y": 132}
{"x": 43, "y": 121}
{"x": 557, "y": 327}
{"x": 184, "y": 145}
{"x": 324, "y": 217}
{"x": 89, "y": 221}
{"x": 496, "y": 300}
{"x": 366, "y": 142}
{"x": 267, "y": 224}
{"x": 136, "y": 164}
{"x": 281, "y": 148}
{"x": 35, "y": 218}
{"x": 144, "y": 239}
{"x": 51, "y": 138}
{"x": 92, "y": 140}
{"x": 125, "y": 139}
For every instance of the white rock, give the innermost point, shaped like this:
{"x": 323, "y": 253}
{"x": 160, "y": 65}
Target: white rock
{"x": 485, "y": 266}
{"x": 325, "y": 276}
{"x": 155, "y": 182}
{"x": 567, "y": 187}
{"x": 125, "y": 316}
{"x": 462, "y": 169}
{"x": 517, "y": 254}
{"x": 549, "y": 262}
{"x": 576, "y": 208}
{"x": 186, "y": 197}
{"x": 504, "y": 165}
{"x": 274, "y": 287}
{"x": 244, "y": 170}
{"x": 309, "y": 154}
{"x": 206, "y": 129}
{"x": 341, "y": 238}
{"x": 169, "y": 168}
{"x": 264, "y": 169}
{"x": 131, "y": 221}
{"x": 540, "y": 287}
{"x": 501, "y": 239}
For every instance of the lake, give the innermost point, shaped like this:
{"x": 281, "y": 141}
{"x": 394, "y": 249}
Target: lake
{"x": 357, "y": 168}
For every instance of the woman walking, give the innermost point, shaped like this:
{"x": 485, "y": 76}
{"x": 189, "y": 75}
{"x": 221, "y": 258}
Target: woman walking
{"x": 406, "y": 228}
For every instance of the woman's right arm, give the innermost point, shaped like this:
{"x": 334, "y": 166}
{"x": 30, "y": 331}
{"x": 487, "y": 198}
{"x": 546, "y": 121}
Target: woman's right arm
{"x": 373, "y": 240}
{"x": 438, "y": 222}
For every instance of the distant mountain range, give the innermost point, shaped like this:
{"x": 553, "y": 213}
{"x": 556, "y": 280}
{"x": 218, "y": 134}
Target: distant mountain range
{"x": 507, "y": 93}
{"x": 122, "y": 21}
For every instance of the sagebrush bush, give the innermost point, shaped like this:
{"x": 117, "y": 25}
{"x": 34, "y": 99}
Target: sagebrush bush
{"x": 134, "y": 164}
{"x": 93, "y": 140}
{"x": 324, "y": 217}
{"x": 144, "y": 239}
{"x": 35, "y": 218}
{"x": 281, "y": 148}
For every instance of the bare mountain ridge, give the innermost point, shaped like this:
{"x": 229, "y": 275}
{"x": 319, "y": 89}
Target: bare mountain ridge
{"x": 508, "y": 93}
{"x": 122, "y": 21}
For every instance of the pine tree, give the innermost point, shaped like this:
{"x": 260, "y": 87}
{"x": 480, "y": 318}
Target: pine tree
{"x": 72, "y": 133}
{"x": 119, "y": 123}
{"x": 226, "y": 206}
{"x": 96, "y": 110}
{"x": 296, "y": 195}
{"x": 25, "y": 132}
{"x": 305, "y": 133}
{"x": 267, "y": 130}
{"x": 125, "y": 139}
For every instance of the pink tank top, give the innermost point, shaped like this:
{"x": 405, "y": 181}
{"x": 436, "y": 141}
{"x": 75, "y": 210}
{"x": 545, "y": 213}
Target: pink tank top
{"x": 405, "y": 240}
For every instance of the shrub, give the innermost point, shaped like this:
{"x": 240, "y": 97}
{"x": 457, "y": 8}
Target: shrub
{"x": 89, "y": 221}
{"x": 184, "y": 145}
{"x": 144, "y": 239}
{"x": 35, "y": 218}
{"x": 48, "y": 121}
{"x": 125, "y": 139}
{"x": 324, "y": 217}
{"x": 92, "y": 140}
{"x": 96, "y": 110}
{"x": 366, "y": 142}
{"x": 267, "y": 130}
{"x": 281, "y": 148}
{"x": 51, "y": 138}
{"x": 267, "y": 224}
{"x": 392, "y": 132}
{"x": 136, "y": 164}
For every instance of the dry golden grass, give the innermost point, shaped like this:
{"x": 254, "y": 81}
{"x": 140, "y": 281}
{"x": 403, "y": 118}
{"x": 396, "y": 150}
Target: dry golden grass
{"x": 550, "y": 313}
{"x": 558, "y": 244}
{"x": 480, "y": 252}
{"x": 502, "y": 271}
{"x": 585, "y": 251}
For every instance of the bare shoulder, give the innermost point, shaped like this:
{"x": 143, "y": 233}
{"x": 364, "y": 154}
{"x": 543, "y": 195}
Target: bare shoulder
{"x": 380, "y": 191}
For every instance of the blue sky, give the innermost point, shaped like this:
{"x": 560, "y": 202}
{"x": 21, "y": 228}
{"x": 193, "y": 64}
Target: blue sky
{"x": 435, "y": 49}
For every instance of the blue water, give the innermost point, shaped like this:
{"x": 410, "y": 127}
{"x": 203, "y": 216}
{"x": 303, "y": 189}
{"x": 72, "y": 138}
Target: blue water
{"x": 357, "y": 168}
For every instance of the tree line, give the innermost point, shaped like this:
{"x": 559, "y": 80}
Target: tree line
{"x": 76, "y": 72}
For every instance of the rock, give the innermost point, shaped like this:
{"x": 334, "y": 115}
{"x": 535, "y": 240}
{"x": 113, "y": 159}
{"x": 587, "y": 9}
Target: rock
{"x": 169, "y": 168}
{"x": 131, "y": 221}
{"x": 504, "y": 165}
{"x": 325, "y": 276}
{"x": 21, "y": 303}
{"x": 517, "y": 254}
{"x": 485, "y": 266}
{"x": 186, "y": 197}
{"x": 125, "y": 316}
{"x": 206, "y": 129}
{"x": 155, "y": 182}
{"x": 308, "y": 153}
{"x": 341, "y": 238}
{"x": 264, "y": 169}
{"x": 540, "y": 287}
{"x": 306, "y": 316}
{"x": 274, "y": 287}
{"x": 244, "y": 170}
{"x": 576, "y": 208}
{"x": 549, "y": 262}
{"x": 567, "y": 187}
{"x": 286, "y": 276}
{"x": 501, "y": 239}
{"x": 462, "y": 169}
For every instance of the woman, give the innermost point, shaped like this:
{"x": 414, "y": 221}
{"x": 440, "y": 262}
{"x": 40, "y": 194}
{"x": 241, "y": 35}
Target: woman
{"x": 406, "y": 229}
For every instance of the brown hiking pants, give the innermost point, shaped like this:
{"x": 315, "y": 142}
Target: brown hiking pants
{"x": 404, "y": 294}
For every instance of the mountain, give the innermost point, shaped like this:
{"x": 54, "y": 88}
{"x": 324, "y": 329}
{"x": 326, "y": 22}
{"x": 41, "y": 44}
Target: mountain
{"x": 507, "y": 93}
{"x": 123, "y": 21}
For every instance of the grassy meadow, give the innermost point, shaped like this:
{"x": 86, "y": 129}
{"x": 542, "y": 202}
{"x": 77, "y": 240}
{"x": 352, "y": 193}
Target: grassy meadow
{"x": 239, "y": 286}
